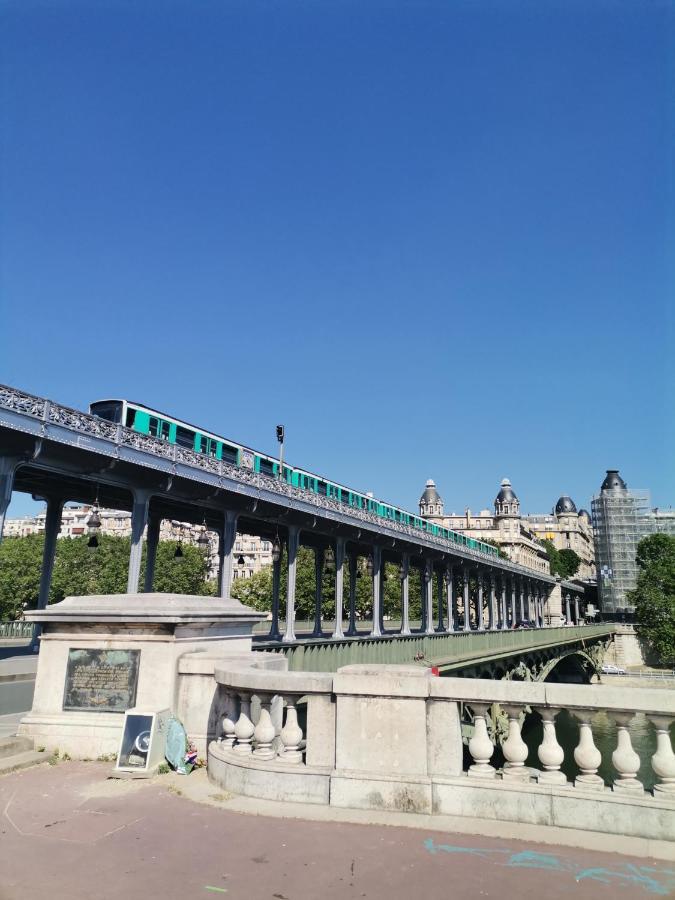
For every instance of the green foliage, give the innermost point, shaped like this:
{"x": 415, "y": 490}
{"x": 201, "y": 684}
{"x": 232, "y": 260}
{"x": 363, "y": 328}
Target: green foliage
{"x": 493, "y": 543}
{"x": 654, "y": 595}
{"x": 80, "y": 570}
{"x": 563, "y": 562}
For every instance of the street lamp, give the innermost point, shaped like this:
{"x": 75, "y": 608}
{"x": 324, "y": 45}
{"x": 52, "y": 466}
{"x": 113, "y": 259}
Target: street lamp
{"x": 329, "y": 559}
{"x": 203, "y": 540}
{"x": 276, "y": 550}
{"x": 369, "y": 566}
{"x": 94, "y": 526}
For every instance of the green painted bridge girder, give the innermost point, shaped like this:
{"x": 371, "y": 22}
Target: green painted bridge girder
{"x": 450, "y": 652}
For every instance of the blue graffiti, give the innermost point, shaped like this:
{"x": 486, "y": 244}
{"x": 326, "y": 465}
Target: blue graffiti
{"x": 529, "y": 859}
{"x": 653, "y": 880}
{"x": 642, "y": 876}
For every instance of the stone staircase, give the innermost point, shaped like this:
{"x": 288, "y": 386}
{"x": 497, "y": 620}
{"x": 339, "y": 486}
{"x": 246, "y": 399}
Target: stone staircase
{"x": 18, "y": 753}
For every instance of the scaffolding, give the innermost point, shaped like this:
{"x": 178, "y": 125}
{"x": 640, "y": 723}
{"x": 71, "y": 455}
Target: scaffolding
{"x": 620, "y": 520}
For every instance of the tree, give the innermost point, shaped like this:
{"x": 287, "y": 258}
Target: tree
{"x": 564, "y": 563}
{"x": 79, "y": 569}
{"x": 654, "y": 595}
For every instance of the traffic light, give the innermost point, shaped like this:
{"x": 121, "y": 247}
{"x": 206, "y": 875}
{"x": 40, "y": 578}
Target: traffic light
{"x": 280, "y": 433}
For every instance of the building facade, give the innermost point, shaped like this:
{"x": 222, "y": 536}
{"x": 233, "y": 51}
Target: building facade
{"x": 504, "y": 526}
{"x": 621, "y": 518}
{"x": 568, "y": 529}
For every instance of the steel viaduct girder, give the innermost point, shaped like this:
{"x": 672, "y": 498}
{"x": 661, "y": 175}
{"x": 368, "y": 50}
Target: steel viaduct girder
{"x": 479, "y": 654}
{"x": 68, "y": 454}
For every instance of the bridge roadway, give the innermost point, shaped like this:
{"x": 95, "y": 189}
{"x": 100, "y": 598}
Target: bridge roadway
{"x": 61, "y": 454}
{"x": 487, "y": 654}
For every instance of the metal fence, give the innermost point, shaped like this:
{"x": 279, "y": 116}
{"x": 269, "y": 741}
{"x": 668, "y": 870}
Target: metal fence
{"x": 15, "y": 629}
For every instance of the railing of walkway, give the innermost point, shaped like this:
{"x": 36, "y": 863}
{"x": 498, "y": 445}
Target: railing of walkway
{"x": 448, "y": 651}
{"x": 390, "y": 737}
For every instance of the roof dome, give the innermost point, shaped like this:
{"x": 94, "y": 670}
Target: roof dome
{"x": 506, "y": 492}
{"x": 585, "y": 513}
{"x": 613, "y": 481}
{"x": 430, "y": 494}
{"x": 565, "y": 505}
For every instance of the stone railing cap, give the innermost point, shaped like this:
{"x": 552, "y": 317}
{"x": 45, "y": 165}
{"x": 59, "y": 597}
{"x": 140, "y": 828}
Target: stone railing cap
{"x": 150, "y": 608}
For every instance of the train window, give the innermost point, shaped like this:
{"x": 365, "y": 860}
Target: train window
{"x": 110, "y": 411}
{"x": 185, "y": 437}
{"x": 153, "y": 426}
{"x": 322, "y": 488}
{"x": 131, "y": 415}
{"x": 266, "y": 466}
{"x": 164, "y": 431}
{"x": 230, "y": 454}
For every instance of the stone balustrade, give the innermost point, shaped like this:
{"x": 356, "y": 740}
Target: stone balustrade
{"x": 394, "y": 737}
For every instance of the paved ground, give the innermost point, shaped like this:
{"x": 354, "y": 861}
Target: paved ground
{"x": 68, "y": 832}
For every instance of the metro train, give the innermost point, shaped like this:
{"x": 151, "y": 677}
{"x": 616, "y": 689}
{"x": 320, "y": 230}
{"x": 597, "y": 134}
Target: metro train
{"x": 149, "y": 421}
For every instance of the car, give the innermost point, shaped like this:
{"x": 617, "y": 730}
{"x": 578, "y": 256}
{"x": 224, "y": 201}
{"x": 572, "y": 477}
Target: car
{"x": 611, "y": 669}
{"x": 523, "y": 623}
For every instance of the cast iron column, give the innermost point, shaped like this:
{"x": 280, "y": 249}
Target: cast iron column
{"x": 139, "y": 519}
{"x": 225, "y": 546}
{"x": 152, "y": 539}
{"x": 450, "y": 595}
{"x": 467, "y": 611}
{"x": 8, "y": 466}
{"x": 318, "y": 591}
{"x": 339, "y": 585}
{"x": 353, "y": 569}
{"x": 405, "y": 594}
{"x": 377, "y": 580}
{"x": 428, "y": 576}
{"x": 293, "y": 541}
{"x": 52, "y": 528}
{"x": 479, "y": 601}
{"x": 275, "y": 633}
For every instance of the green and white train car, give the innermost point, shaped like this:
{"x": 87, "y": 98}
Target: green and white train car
{"x": 165, "y": 428}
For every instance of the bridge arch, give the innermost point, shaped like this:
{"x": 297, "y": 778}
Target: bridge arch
{"x": 573, "y": 666}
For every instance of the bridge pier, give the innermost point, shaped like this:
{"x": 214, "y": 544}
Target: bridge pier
{"x": 465, "y": 598}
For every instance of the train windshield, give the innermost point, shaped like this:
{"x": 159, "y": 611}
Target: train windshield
{"x": 107, "y": 409}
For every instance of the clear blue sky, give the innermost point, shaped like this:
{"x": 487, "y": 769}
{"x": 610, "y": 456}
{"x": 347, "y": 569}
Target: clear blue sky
{"x": 432, "y": 238}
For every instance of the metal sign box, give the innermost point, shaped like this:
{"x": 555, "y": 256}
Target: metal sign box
{"x": 143, "y": 740}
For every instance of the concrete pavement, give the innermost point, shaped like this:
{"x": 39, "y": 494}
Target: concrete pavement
{"x": 69, "y": 832}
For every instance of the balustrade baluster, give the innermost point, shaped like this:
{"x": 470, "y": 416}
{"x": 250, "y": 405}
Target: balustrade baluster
{"x": 244, "y": 728}
{"x": 550, "y": 753}
{"x": 481, "y": 747}
{"x": 264, "y": 733}
{"x": 514, "y": 747}
{"x": 291, "y": 734}
{"x": 663, "y": 761}
{"x": 624, "y": 759}
{"x": 229, "y": 718}
{"x": 586, "y": 754}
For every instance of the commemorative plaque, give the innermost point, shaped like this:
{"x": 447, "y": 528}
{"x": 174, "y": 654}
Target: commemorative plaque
{"x": 101, "y": 680}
